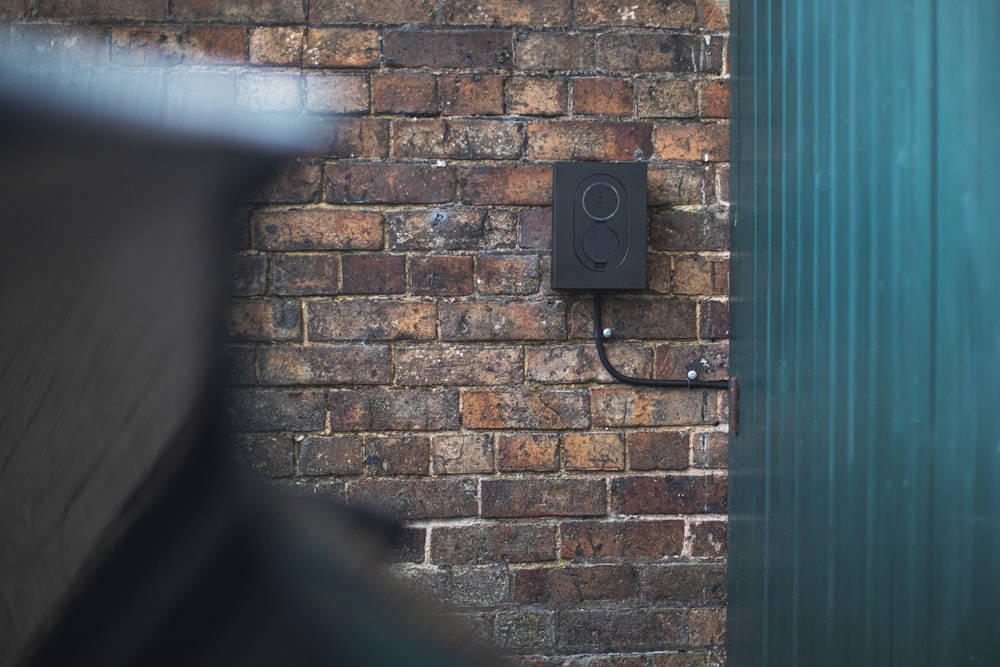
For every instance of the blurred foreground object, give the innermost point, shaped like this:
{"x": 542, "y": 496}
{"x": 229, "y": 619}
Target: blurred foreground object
{"x": 127, "y": 535}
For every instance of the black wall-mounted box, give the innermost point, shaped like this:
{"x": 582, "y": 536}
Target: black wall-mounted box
{"x": 599, "y": 225}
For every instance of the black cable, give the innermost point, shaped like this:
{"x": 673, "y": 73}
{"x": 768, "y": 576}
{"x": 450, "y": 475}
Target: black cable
{"x": 646, "y": 382}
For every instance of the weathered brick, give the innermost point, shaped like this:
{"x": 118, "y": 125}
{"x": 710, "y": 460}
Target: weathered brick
{"x": 437, "y": 229}
{"x": 708, "y": 539}
{"x": 457, "y": 139}
{"x": 393, "y": 410}
{"x": 16, "y": 9}
{"x": 600, "y": 630}
{"x": 248, "y": 11}
{"x": 722, "y": 188}
{"x": 658, "y": 450}
{"x": 659, "y": 271}
{"x": 715, "y": 14}
{"x": 574, "y": 584}
{"x": 305, "y": 274}
{"x": 671, "y": 98}
{"x": 271, "y": 91}
{"x": 638, "y": 318}
{"x": 367, "y": 320}
{"x": 350, "y": 137}
{"x": 264, "y": 320}
{"x": 240, "y": 365}
{"x": 77, "y": 44}
{"x": 672, "y": 14}
{"x": 604, "y": 96}
{"x": 552, "y": 409}
{"x": 525, "y": 630}
{"x": 536, "y": 497}
{"x": 397, "y": 455}
{"x": 596, "y": 540}
{"x": 714, "y": 98}
{"x": 713, "y": 317}
{"x": 537, "y": 96}
{"x": 594, "y": 451}
{"x": 247, "y": 275}
{"x": 296, "y": 181}
{"x": 685, "y": 583}
{"x": 317, "y": 229}
{"x": 674, "y": 494}
{"x": 325, "y": 364}
{"x": 476, "y": 586}
{"x": 535, "y": 229}
{"x": 458, "y": 365}
{"x": 710, "y": 361}
{"x": 168, "y": 45}
{"x": 518, "y": 320}
{"x": 690, "y": 658}
{"x": 614, "y": 660}
{"x": 678, "y": 186}
{"x": 704, "y": 142}
{"x": 371, "y": 11}
{"x": 588, "y": 140}
{"x": 462, "y": 453}
{"x": 441, "y": 275}
{"x": 653, "y": 407}
{"x": 409, "y": 548}
{"x": 494, "y": 543}
{"x": 549, "y": 52}
{"x": 522, "y": 184}
{"x": 388, "y": 183}
{"x": 465, "y": 49}
{"x": 660, "y": 53}
{"x": 341, "y": 47}
{"x": 277, "y": 45}
{"x": 711, "y": 449}
{"x": 411, "y": 499}
{"x": 135, "y": 10}
{"x": 267, "y": 455}
{"x": 707, "y": 626}
{"x": 538, "y": 452}
{"x": 333, "y": 92}
{"x": 688, "y": 230}
{"x": 330, "y": 455}
{"x": 579, "y": 363}
{"x": 374, "y": 274}
{"x": 237, "y": 229}
{"x": 697, "y": 274}
{"x": 506, "y": 12}
{"x": 472, "y": 95}
{"x": 507, "y": 274}
{"x": 274, "y": 410}
{"x": 414, "y": 94}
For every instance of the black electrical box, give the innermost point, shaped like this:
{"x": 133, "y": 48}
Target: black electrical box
{"x": 599, "y": 225}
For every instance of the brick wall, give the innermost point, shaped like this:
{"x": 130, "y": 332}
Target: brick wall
{"x": 394, "y": 339}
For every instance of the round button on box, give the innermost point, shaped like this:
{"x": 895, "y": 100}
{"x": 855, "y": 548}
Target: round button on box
{"x": 601, "y": 201}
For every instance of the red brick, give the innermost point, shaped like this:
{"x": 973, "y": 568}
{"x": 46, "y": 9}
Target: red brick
{"x": 444, "y": 275}
{"x": 522, "y": 184}
{"x": 248, "y": 11}
{"x": 317, "y": 229}
{"x": 711, "y": 449}
{"x": 411, "y": 499}
{"x": 296, "y": 182}
{"x": 638, "y": 318}
{"x": 279, "y": 45}
{"x": 594, "y": 451}
{"x": 506, "y": 12}
{"x": 604, "y": 96}
{"x": 350, "y": 137}
{"x": 409, "y": 547}
{"x": 714, "y": 99}
{"x": 255, "y": 409}
{"x": 653, "y": 407}
{"x": 270, "y": 91}
{"x": 458, "y": 365}
{"x": 596, "y": 540}
{"x": 268, "y": 456}
{"x": 240, "y": 365}
{"x": 325, "y": 455}
{"x": 659, "y": 271}
{"x": 550, "y": 52}
{"x": 374, "y": 274}
{"x": 81, "y": 45}
{"x": 472, "y": 95}
{"x": 673, "y": 14}
{"x": 494, "y": 543}
{"x": 333, "y": 92}
{"x": 657, "y": 450}
{"x": 690, "y": 583}
{"x": 671, "y": 98}
{"x": 535, "y": 229}
{"x": 678, "y": 186}
{"x": 688, "y": 230}
{"x": 465, "y": 49}
{"x": 707, "y": 626}
{"x": 538, "y": 452}
{"x": 551, "y": 409}
{"x": 397, "y": 455}
{"x": 537, "y": 96}
{"x": 715, "y": 14}
{"x": 388, "y": 183}
{"x": 675, "y": 494}
{"x": 564, "y": 364}
{"x": 519, "y": 320}
{"x": 16, "y": 9}
{"x": 574, "y": 584}
{"x": 248, "y": 275}
{"x": 371, "y": 11}
{"x": 507, "y": 274}
{"x": 588, "y": 140}
{"x": 341, "y": 47}
{"x": 714, "y": 319}
{"x": 393, "y": 410}
{"x": 457, "y": 139}
{"x": 660, "y": 53}
{"x": 264, "y": 320}
{"x": 702, "y": 142}
{"x": 533, "y": 497}
{"x": 325, "y": 364}
{"x": 462, "y": 453}
{"x": 171, "y": 45}
{"x": 710, "y": 361}
{"x": 722, "y": 188}
{"x": 438, "y": 229}
{"x": 305, "y": 274}
{"x": 414, "y": 94}
{"x": 617, "y": 630}
{"x": 708, "y": 539}
{"x": 367, "y": 320}
{"x": 133, "y": 10}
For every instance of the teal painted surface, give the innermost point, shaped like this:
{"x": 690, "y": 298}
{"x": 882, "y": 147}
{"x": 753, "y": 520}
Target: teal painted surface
{"x": 865, "y": 480}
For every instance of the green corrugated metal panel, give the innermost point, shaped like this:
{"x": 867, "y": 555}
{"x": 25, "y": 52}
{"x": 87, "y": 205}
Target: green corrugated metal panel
{"x": 863, "y": 507}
